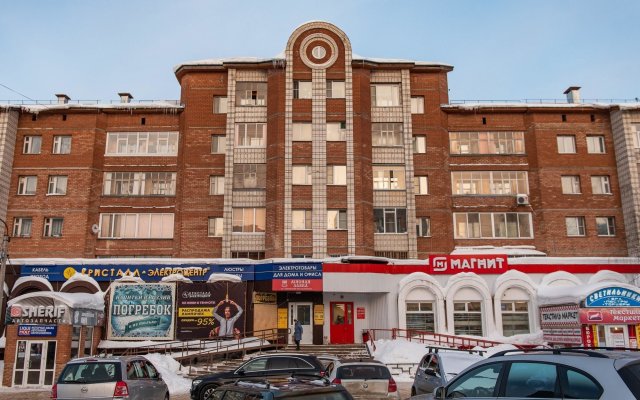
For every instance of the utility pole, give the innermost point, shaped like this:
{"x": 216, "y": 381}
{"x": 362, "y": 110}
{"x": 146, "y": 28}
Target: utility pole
{"x": 4, "y": 248}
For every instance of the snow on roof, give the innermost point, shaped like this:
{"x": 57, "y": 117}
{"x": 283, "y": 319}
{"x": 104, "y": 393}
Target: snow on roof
{"x": 556, "y": 295}
{"x": 176, "y": 278}
{"x": 480, "y": 105}
{"x": 507, "y": 250}
{"x": 24, "y": 279}
{"x": 128, "y": 278}
{"x": 73, "y": 300}
{"x": 629, "y": 106}
{"x": 223, "y": 277}
{"x": 606, "y": 275}
{"x": 78, "y": 277}
{"x": 511, "y": 275}
{"x": 36, "y": 108}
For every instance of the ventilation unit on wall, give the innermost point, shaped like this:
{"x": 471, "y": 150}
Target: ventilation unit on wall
{"x": 522, "y": 199}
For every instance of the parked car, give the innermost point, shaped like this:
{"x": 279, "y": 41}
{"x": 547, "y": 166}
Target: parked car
{"x": 281, "y": 387}
{"x": 134, "y": 378}
{"x": 439, "y": 366}
{"x": 202, "y": 387}
{"x": 364, "y": 379}
{"x": 550, "y": 374}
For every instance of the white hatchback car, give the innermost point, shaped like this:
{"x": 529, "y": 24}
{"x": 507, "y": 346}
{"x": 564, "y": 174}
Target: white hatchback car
{"x": 364, "y": 379}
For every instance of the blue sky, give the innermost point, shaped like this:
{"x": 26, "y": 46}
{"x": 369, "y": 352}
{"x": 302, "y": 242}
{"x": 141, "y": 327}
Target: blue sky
{"x": 501, "y": 50}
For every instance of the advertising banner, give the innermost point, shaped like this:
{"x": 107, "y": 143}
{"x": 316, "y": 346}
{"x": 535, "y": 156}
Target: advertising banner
{"x": 211, "y": 310}
{"x": 38, "y": 330}
{"x": 612, "y": 316}
{"x": 480, "y": 264}
{"x": 559, "y": 316}
{"x": 48, "y": 310}
{"x": 613, "y": 297}
{"x": 141, "y": 311}
{"x": 291, "y": 277}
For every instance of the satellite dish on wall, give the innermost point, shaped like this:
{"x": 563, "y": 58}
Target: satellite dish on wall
{"x": 95, "y": 228}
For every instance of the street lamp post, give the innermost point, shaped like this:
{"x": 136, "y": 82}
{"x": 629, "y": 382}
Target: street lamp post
{"x": 4, "y": 248}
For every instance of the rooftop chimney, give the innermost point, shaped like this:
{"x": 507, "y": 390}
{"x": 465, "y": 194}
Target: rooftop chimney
{"x": 125, "y": 97}
{"x": 63, "y": 98}
{"x": 573, "y": 94}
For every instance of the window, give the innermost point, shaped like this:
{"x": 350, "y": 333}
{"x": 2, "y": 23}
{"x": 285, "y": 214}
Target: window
{"x": 335, "y": 90}
{"x": 302, "y": 89}
{"x": 423, "y": 227}
{"x": 606, "y": 226}
{"x": 595, "y": 144}
{"x": 489, "y": 182}
{"x": 215, "y": 227}
{"x": 336, "y": 219}
{"x": 390, "y": 220}
{"x": 218, "y": 144}
{"x": 248, "y": 220}
{"x": 252, "y": 255}
{"x": 57, "y": 185}
{"x": 301, "y": 219}
{"x": 532, "y": 380}
{"x": 301, "y": 175}
{"x": 219, "y": 104}
{"x": 566, "y": 144}
{"x": 417, "y": 105}
{"x": 421, "y": 184}
{"x": 216, "y": 185}
{"x": 249, "y": 176}
{"x": 388, "y": 177}
{"x": 22, "y": 226}
{"x": 27, "y": 185}
{"x": 420, "y": 316}
{"x": 575, "y": 226}
{"x": 337, "y": 175}
{"x": 486, "y": 142}
{"x": 581, "y": 386}
{"x": 32, "y": 144}
{"x": 61, "y": 145}
{"x": 52, "y": 227}
{"x": 570, "y": 184}
{"x": 419, "y": 144}
{"x": 139, "y": 184}
{"x": 515, "y": 317}
{"x": 336, "y": 131}
{"x": 479, "y": 380}
{"x": 136, "y": 226}
{"x": 301, "y": 132}
{"x": 600, "y": 184}
{"x": 467, "y": 318}
{"x": 385, "y": 95}
{"x": 251, "y": 94}
{"x": 386, "y": 134}
{"x": 251, "y": 135}
{"x": 492, "y": 225}
{"x": 142, "y": 144}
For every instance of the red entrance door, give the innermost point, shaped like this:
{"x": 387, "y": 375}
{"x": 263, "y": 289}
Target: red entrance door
{"x": 341, "y": 328}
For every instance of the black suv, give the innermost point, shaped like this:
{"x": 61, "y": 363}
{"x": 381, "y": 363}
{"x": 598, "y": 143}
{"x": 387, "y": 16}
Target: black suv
{"x": 281, "y": 387}
{"x": 202, "y": 387}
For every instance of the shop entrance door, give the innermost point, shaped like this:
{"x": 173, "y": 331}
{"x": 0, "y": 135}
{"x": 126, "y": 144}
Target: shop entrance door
{"x": 616, "y": 336}
{"x": 341, "y": 327}
{"x": 303, "y": 313}
{"x": 35, "y": 361}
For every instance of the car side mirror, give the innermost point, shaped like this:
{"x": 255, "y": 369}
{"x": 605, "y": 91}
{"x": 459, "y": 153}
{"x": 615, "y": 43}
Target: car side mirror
{"x": 439, "y": 392}
{"x": 241, "y": 372}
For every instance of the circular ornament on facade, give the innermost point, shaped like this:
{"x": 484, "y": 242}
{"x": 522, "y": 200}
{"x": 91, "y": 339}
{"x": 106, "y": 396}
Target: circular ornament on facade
{"x": 318, "y": 51}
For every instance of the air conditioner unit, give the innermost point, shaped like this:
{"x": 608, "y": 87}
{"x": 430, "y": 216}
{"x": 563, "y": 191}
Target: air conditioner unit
{"x": 522, "y": 199}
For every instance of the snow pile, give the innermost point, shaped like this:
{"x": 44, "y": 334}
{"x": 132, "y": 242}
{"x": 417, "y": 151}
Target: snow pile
{"x": 556, "y": 295}
{"x": 176, "y": 278}
{"x": 223, "y": 277}
{"x": 170, "y": 370}
{"x": 128, "y": 278}
{"x": 526, "y": 338}
{"x": 24, "y": 279}
{"x": 77, "y": 277}
{"x": 399, "y": 351}
{"x": 73, "y": 300}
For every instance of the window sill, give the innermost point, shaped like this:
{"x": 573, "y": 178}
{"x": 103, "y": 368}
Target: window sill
{"x": 56, "y": 194}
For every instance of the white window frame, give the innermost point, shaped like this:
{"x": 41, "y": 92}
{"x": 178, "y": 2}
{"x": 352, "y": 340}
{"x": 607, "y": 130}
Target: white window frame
{"x": 511, "y": 310}
{"x": 32, "y": 144}
{"x": 216, "y": 185}
{"x": 495, "y": 183}
{"x": 22, "y": 226}
{"x": 570, "y": 184}
{"x": 218, "y": 144}
{"x": 464, "y": 229}
{"x": 57, "y": 185}
{"x": 215, "y": 227}
{"x": 464, "y": 143}
{"x": 27, "y": 185}
{"x": 337, "y": 220}
{"x": 220, "y": 105}
{"x": 123, "y": 226}
{"x": 595, "y": 144}
{"x": 423, "y": 226}
{"x": 336, "y": 89}
{"x": 336, "y": 131}
{"x": 302, "y": 89}
{"x": 386, "y": 134}
{"x": 301, "y": 220}
{"x": 146, "y": 144}
{"x": 135, "y": 183}
{"x": 50, "y": 227}
{"x": 575, "y": 226}
{"x": 389, "y": 177}
{"x": 419, "y": 144}
{"x": 337, "y": 175}
{"x": 301, "y": 171}
{"x": 422, "y": 310}
{"x": 301, "y": 132}
{"x": 421, "y": 184}
{"x": 390, "y": 215}
{"x": 253, "y": 214}
{"x": 251, "y": 135}
{"x": 61, "y": 144}
{"x": 385, "y": 95}
{"x": 251, "y": 94}
{"x": 566, "y": 144}
{"x": 249, "y": 176}
{"x": 610, "y": 224}
{"x": 417, "y": 104}
{"x": 465, "y": 313}
{"x": 601, "y": 184}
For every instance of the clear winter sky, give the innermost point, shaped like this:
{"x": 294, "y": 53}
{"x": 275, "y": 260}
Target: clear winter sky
{"x": 501, "y": 50}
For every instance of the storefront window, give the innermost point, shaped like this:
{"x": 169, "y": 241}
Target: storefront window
{"x": 51, "y": 363}
{"x": 420, "y": 316}
{"x": 467, "y": 318}
{"x": 88, "y": 340}
{"x": 75, "y": 341}
{"x": 515, "y": 317}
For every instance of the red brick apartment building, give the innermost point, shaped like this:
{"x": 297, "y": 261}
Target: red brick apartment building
{"x": 314, "y": 153}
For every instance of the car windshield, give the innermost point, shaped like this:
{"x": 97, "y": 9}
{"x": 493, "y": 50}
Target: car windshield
{"x": 90, "y": 372}
{"x": 363, "y": 372}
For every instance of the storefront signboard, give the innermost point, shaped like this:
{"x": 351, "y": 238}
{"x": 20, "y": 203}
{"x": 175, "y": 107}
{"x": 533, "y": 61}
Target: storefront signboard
{"x": 296, "y": 285}
{"x": 264, "y": 298}
{"x": 589, "y": 336}
{"x": 480, "y": 264}
{"x": 291, "y": 277}
{"x": 360, "y": 313}
{"x": 612, "y": 316}
{"x": 283, "y": 318}
{"x": 141, "y": 311}
{"x": 613, "y": 297}
{"x": 38, "y": 330}
{"x": 318, "y": 314}
{"x": 559, "y": 316}
{"x": 562, "y": 335}
{"x": 210, "y": 310}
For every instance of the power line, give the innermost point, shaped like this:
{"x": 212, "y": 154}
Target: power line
{"x": 14, "y": 91}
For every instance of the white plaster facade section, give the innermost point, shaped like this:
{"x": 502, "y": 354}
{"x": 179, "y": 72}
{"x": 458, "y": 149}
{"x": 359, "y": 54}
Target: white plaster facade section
{"x": 250, "y": 156}
{"x": 515, "y": 286}
{"x": 560, "y": 278}
{"x": 408, "y": 163}
{"x": 390, "y": 242}
{"x": 319, "y": 161}
{"x": 419, "y": 286}
{"x": 244, "y": 241}
{"x": 386, "y": 114}
{"x": 467, "y": 286}
{"x": 8, "y": 134}
{"x": 249, "y": 198}
{"x": 386, "y": 77}
{"x": 227, "y": 213}
{"x": 388, "y": 155}
{"x": 251, "y": 75}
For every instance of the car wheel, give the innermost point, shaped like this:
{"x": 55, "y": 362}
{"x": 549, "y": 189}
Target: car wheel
{"x": 413, "y": 391}
{"x": 207, "y": 392}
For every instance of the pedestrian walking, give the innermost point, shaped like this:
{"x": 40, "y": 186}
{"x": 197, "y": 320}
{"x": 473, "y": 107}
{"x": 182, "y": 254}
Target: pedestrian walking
{"x": 297, "y": 333}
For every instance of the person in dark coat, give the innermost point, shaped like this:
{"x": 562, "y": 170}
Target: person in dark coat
{"x": 297, "y": 333}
